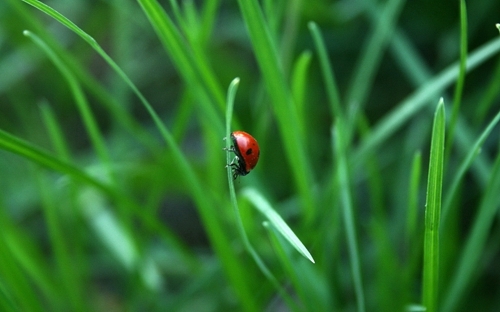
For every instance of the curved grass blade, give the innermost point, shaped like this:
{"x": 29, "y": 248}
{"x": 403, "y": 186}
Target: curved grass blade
{"x": 262, "y": 205}
{"x": 15, "y": 145}
{"x": 234, "y": 203}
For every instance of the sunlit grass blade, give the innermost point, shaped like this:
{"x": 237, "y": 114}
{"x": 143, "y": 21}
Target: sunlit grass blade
{"x": 430, "y": 286}
{"x": 261, "y": 204}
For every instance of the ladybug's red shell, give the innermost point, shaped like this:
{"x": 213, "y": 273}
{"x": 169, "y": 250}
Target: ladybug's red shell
{"x": 248, "y": 151}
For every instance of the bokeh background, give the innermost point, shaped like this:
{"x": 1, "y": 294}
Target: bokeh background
{"x": 149, "y": 242}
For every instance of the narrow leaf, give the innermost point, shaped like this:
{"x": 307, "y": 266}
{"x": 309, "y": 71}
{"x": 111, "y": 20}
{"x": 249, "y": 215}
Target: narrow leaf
{"x": 433, "y": 211}
{"x": 275, "y": 219}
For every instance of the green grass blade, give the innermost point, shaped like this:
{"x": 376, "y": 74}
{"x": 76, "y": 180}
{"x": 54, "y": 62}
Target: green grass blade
{"x": 232, "y": 193}
{"x": 6, "y": 301}
{"x": 299, "y": 87}
{"x": 489, "y": 96}
{"x": 430, "y": 287}
{"x": 307, "y": 281}
{"x": 327, "y": 71}
{"x": 474, "y": 246}
{"x": 475, "y": 243}
{"x": 372, "y": 55}
{"x": 69, "y": 276}
{"x": 23, "y": 265}
{"x": 407, "y": 56}
{"x": 231, "y": 94}
{"x": 91, "y": 41}
{"x": 55, "y": 132}
{"x": 192, "y": 65}
{"x": 276, "y": 221}
{"x": 420, "y": 99}
{"x": 15, "y": 145}
{"x": 457, "y": 98}
{"x": 89, "y": 120}
{"x": 285, "y": 112}
{"x": 411, "y": 221}
{"x": 347, "y": 212}
{"x": 110, "y": 101}
{"x": 465, "y": 165}
{"x": 205, "y": 206}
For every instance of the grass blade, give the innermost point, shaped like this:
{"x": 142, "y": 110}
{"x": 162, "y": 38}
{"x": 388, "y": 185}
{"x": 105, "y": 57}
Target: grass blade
{"x": 327, "y": 71}
{"x": 465, "y": 165}
{"x": 433, "y": 211}
{"x": 275, "y": 219}
{"x": 457, "y": 99}
{"x": 420, "y": 98}
{"x": 82, "y": 104}
{"x": 347, "y": 212}
{"x": 232, "y": 193}
{"x": 475, "y": 243}
{"x": 372, "y": 55}
{"x": 285, "y": 112}
{"x": 15, "y": 145}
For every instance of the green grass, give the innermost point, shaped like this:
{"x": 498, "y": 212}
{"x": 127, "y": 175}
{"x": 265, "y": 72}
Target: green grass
{"x": 430, "y": 282}
{"x": 114, "y": 194}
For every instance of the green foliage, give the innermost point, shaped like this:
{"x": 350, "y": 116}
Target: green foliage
{"x": 114, "y": 194}
{"x": 433, "y": 211}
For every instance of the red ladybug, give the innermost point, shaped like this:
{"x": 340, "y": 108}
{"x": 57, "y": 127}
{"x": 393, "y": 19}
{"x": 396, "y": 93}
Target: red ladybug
{"x": 247, "y": 153}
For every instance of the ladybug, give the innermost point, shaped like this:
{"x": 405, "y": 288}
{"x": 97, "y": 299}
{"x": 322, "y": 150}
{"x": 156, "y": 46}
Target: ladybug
{"x": 247, "y": 152}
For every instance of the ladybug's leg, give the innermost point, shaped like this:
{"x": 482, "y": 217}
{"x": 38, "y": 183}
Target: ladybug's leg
{"x": 230, "y": 149}
{"x": 234, "y": 162}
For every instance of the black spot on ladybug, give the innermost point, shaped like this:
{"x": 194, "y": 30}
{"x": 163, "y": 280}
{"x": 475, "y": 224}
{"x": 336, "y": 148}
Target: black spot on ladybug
{"x": 249, "y": 151}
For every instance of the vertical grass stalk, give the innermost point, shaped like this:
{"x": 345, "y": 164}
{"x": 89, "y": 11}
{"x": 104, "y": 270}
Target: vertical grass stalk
{"x": 347, "y": 209}
{"x": 461, "y": 76}
{"x": 233, "y": 86}
{"x": 430, "y": 286}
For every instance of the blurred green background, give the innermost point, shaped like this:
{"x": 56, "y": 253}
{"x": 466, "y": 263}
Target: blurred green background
{"x": 101, "y": 212}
